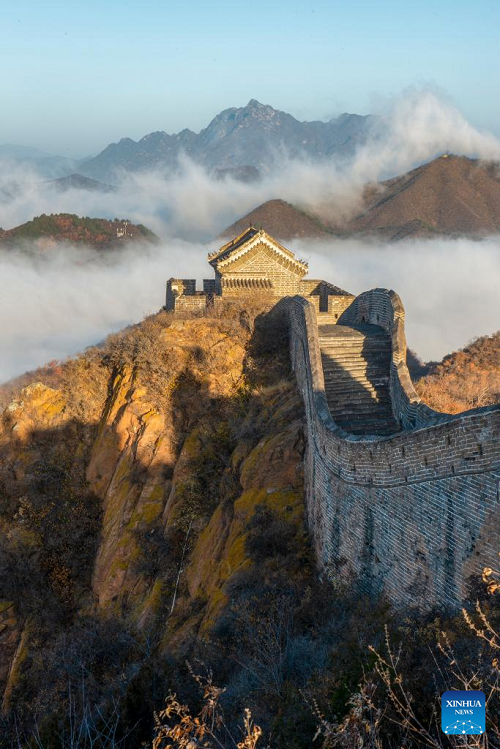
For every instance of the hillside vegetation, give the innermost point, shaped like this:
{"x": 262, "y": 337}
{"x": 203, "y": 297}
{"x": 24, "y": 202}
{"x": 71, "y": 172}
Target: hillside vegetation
{"x": 152, "y": 510}
{"x": 47, "y": 230}
{"x": 152, "y": 526}
{"x": 465, "y": 379}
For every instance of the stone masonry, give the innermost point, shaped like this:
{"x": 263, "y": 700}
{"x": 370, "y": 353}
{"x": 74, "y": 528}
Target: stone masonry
{"x": 255, "y": 263}
{"x": 401, "y": 500}
{"x": 412, "y": 515}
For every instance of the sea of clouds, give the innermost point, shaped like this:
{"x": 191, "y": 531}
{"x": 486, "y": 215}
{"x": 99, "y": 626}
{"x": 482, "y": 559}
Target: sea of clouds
{"x": 53, "y": 307}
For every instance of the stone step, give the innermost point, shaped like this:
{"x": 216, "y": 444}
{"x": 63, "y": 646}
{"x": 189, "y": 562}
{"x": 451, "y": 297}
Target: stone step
{"x": 358, "y": 362}
{"x": 368, "y": 372}
{"x": 339, "y": 333}
{"x": 354, "y": 357}
{"x": 332, "y": 374}
{"x": 343, "y": 390}
{"x": 356, "y": 367}
{"x": 359, "y": 366}
{"x": 358, "y": 340}
{"x": 326, "y": 335}
{"x": 356, "y": 406}
{"x": 353, "y": 403}
{"x": 356, "y": 348}
{"x": 352, "y": 330}
{"x": 356, "y": 383}
{"x": 383, "y": 412}
{"x": 348, "y": 346}
{"x": 346, "y": 387}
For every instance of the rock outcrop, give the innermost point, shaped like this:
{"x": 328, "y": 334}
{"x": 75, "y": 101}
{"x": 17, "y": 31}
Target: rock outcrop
{"x": 128, "y": 489}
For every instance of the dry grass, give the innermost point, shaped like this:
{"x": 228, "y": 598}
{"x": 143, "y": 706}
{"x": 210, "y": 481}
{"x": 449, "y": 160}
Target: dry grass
{"x": 466, "y": 379}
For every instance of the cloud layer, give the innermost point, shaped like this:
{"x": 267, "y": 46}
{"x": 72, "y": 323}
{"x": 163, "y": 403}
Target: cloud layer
{"x": 53, "y": 308}
{"x": 56, "y": 307}
{"x": 191, "y": 205}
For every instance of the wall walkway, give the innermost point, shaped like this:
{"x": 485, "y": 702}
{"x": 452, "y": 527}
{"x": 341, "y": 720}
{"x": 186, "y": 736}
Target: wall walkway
{"x": 413, "y": 515}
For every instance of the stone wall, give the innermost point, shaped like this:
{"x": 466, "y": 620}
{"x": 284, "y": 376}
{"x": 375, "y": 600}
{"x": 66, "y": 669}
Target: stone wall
{"x": 338, "y": 304}
{"x": 261, "y": 264}
{"x": 383, "y": 307}
{"x": 197, "y": 303}
{"x": 177, "y": 287}
{"x": 412, "y": 516}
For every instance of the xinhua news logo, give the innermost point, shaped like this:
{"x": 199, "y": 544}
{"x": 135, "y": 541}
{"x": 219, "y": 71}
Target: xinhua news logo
{"x": 463, "y": 712}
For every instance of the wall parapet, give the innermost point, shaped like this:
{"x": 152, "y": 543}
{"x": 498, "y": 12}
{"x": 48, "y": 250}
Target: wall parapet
{"x": 383, "y": 307}
{"x": 412, "y": 515}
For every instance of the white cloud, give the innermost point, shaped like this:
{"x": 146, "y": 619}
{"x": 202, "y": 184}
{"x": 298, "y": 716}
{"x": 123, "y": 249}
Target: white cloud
{"x": 54, "y": 308}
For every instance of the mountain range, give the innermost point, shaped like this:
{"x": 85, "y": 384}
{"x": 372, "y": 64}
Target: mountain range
{"x": 451, "y": 196}
{"x": 251, "y": 137}
{"x": 41, "y": 164}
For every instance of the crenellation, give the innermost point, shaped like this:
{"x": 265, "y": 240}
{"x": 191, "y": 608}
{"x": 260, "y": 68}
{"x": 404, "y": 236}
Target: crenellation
{"x": 255, "y": 263}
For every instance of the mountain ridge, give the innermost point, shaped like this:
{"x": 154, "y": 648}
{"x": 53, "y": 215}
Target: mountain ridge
{"x": 251, "y": 136}
{"x": 448, "y": 196}
{"x": 46, "y": 231}
{"x": 77, "y": 181}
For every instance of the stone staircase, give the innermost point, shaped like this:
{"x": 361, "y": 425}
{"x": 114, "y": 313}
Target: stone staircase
{"x": 356, "y": 364}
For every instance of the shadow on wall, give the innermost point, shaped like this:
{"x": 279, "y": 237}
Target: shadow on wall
{"x": 356, "y": 364}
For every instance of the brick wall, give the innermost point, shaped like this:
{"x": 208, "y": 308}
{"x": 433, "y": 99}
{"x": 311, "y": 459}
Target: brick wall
{"x": 413, "y": 515}
{"x": 177, "y": 287}
{"x": 383, "y": 307}
{"x": 190, "y": 304}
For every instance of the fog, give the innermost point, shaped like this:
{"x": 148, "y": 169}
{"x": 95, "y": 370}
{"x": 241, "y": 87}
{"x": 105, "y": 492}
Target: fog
{"x": 55, "y": 306}
{"x": 418, "y": 125}
{"x": 69, "y": 300}
{"x": 449, "y": 288}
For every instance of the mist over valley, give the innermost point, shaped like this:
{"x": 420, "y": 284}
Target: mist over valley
{"x": 330, "y": 208}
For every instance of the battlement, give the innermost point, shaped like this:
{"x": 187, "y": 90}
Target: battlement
{"x": 254, "y": 262}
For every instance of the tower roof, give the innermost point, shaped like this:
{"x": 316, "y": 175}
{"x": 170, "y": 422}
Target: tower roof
{"x": 246, "y": 241}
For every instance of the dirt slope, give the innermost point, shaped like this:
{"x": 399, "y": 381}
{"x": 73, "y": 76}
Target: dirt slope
{"x": 280, "y": 219}
{"x": 450, "y": 195}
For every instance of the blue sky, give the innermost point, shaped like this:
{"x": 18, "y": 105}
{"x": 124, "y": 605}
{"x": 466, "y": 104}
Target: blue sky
{"x": 78, "y": 74}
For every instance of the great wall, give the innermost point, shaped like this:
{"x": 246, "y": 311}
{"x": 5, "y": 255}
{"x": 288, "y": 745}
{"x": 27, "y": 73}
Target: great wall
{"x": 401, "y": 500}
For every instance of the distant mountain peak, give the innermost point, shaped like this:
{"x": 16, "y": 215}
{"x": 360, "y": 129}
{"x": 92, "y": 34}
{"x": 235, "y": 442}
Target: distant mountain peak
{"x": 237, "y": 139}
{"x": 79, "y": 182}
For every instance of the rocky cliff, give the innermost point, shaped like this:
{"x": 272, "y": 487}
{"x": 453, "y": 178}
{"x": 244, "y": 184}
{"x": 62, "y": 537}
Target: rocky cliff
{"x": 129, "y": 492}
{"x": 152, "y": 527}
